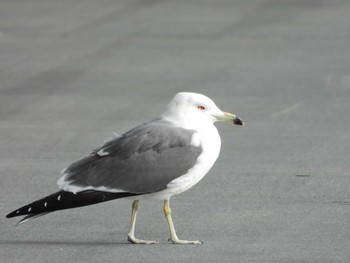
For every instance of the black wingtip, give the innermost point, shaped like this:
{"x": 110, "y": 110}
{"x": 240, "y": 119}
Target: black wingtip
{"x": 66, "y": 200}
{"x": 9, "y": 215}
{"x": 13, "y": 214}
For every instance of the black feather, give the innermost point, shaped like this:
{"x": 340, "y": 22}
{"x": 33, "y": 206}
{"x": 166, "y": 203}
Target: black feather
{"x": 66, "y": 200}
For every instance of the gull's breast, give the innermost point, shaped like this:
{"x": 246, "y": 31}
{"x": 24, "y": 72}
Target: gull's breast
{"x": 210, "y": 142}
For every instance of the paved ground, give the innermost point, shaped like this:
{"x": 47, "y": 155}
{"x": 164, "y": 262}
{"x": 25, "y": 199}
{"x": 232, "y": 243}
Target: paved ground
{"x": 72, "y": 72}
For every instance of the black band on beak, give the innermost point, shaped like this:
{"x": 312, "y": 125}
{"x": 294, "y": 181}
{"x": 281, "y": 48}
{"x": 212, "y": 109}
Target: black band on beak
{"x": 237, "y": 121}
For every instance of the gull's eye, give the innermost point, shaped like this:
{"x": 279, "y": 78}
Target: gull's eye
{"x": 201, "y": 107}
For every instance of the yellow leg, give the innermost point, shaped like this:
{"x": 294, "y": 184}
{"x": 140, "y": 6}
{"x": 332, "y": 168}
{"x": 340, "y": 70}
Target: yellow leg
{"x": 131, "y": 235}
{"x": 173, "y": 236}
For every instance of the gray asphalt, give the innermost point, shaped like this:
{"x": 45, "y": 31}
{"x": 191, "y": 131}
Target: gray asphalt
{"x": 72, "y": 72}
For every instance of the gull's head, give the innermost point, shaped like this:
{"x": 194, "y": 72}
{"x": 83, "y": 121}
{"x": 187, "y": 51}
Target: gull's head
{"x": 189, "y": 109}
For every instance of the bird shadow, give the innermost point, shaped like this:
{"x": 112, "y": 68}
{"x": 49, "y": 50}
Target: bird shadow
{"x": 73, "y": 243}
{"x": 76, "y": 243}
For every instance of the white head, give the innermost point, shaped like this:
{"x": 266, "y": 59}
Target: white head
{"x": 193, "y": 109}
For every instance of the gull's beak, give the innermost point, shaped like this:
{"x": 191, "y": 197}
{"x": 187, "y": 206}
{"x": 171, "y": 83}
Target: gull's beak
{"x": 230, "y": 117}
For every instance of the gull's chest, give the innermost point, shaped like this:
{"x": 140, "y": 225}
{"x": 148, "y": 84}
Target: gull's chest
{"x": 210, "y": 142}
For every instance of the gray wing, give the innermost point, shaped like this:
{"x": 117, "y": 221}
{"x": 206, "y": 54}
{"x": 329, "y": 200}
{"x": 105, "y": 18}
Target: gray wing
{"x": 143, "y": 160}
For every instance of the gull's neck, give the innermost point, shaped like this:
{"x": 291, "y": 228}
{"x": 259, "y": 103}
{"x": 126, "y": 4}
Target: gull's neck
{"x": 188, "y": 122}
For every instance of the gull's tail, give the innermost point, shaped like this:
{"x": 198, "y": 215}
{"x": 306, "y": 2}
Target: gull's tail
{"x": 64, "y": 200}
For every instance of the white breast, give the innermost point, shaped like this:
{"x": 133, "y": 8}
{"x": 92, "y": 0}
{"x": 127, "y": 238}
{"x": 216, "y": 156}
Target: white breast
{"x": 210, "y": 142}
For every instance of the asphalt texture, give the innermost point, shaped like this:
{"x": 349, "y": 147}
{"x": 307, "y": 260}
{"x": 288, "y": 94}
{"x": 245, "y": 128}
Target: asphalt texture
{"x": 73, "y": 72}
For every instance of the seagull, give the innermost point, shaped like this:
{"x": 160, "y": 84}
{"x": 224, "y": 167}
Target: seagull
{"x": 155, "y": 160}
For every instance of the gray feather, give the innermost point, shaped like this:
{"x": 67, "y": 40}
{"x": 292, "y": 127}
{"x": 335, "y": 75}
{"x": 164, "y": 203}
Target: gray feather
{"x": 142, "y": 160}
